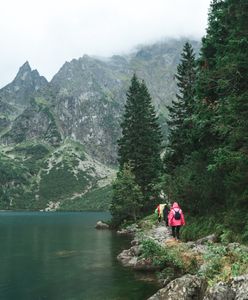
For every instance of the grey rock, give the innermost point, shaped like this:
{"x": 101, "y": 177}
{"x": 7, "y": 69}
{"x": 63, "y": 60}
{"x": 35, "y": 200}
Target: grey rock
{"x": 21, "y": 89}
{"x": 207, "y": 239}
{"x": 35, "y": 123}
{"x": 127, "y": 259}
{"x": 239, "y": 285}
{"x": 134, "y": 242}
{"x": 135, "y": 250}
{"x": 101, "y": 225}
{"x": 187, "y": 287}
{"x": 145, "y": 265}
{"x": 220, "y": 291}
{"x": 129, "y": 230}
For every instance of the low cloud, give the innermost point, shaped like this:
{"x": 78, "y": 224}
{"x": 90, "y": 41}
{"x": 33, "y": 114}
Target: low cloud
{"x": 48, "y": 33}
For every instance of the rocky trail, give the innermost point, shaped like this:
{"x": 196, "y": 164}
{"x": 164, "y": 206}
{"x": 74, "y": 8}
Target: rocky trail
{"x": 187, "y": 286}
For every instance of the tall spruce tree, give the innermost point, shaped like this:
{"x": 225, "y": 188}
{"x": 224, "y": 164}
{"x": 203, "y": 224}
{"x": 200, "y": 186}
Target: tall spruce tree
{"x": 215, "y": 173}
{"x": 180, "y": 112}
{"x": 140, "y": 144}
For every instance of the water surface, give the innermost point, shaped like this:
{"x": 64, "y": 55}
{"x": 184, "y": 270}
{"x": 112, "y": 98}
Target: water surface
{"x": 58, "y": 256}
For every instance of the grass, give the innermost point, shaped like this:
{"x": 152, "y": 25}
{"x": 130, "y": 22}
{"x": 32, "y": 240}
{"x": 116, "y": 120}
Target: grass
{"x": 60, "y": 182}
{"x": 97, "y": 199}
{"x": 223, "y": 262}
{"x": 220, "y": 262}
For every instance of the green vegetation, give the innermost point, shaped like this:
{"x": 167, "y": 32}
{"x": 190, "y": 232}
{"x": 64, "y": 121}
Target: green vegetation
{"x": 172, "y": 260}
{"x": 180, "y": 112}
{"x": 139, "y": 155}
{"x": 97, "y": 199}
{"x": 12, "y": 182}
{"x": 206, "y": 163}
{"x": 35, "y": 174}
{"x": 223, "y": 262}
{"x": 53, "y": 187}
{"x": 127, "y": 196}
{"x": 219, "y": 262}
{"x": 164, "y": 257}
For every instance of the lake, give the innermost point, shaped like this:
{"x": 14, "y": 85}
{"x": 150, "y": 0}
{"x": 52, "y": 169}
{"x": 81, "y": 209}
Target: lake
{"x": 56, "y": 256}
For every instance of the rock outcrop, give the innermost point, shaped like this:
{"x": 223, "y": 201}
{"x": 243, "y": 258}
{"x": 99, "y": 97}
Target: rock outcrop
{"x": 236, "y": 289}
{"x": 101, "y": 225}
{"x": 220, "y": 291}
{"x": 187, "y": 287}
{"x": 130, "y": 257}
{"x": 21, "y": 89}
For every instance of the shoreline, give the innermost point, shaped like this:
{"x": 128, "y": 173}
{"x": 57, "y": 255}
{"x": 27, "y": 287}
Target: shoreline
{"x": 191, "y": 281}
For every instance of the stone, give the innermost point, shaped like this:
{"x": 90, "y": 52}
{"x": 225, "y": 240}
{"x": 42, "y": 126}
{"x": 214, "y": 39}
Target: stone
{"x": 207, "y": 239}
{"x": 101, "y": 225}
{"x": 135, "y": 250}
{"x": 145, "y": 265}
{"x": 220, "y": 291}
{"x": 187, "y": 287}
{"x": 239, "y": 285}
{"x": 127, "y": 259}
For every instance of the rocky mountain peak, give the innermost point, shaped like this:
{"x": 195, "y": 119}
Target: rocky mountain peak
{"x": 24, "y": 68}
{"x": 22, "y": 88}
{"x": 25, "y": 73}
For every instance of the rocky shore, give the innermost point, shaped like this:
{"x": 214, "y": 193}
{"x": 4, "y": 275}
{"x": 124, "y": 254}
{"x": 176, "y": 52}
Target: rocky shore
{"x": 188, "y": 285}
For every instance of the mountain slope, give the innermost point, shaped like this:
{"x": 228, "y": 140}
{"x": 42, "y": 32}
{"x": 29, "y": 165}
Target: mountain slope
{"x": 92, "y": 92}
{"x": 57, "y": 139}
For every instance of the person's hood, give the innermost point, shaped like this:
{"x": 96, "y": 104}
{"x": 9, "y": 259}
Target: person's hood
{"x": 175, "y": 205}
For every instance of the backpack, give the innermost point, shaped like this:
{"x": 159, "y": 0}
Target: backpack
{"x": 177, "y": 214}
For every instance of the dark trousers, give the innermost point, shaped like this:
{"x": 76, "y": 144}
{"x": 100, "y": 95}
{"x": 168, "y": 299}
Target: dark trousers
{"x": 175, "y": 231}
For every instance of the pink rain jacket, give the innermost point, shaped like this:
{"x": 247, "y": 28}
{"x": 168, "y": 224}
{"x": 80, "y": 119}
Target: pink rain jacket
{"x": 172, "y": 221}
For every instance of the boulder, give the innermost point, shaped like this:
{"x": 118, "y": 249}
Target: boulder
{"x": 187, "y": 287}
{"x": 129, "y": 230}
{"x": 144, "y": 264}
{"x": 239, "y": 285}
{"x": 236, "y": 289}
{"x": 127, "y": 259}
{"x": 207, "y": 239}
{"x": 101, "y": 225}
{"x": 220, "y": 291}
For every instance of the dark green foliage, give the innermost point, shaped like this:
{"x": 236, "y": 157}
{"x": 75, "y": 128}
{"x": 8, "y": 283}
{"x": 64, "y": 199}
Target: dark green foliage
{"x": 12, "y": 181}
{"x": 213, "y": 174}
{"x": 98, "y": 199}
{"x": 140, "y": 144}
{"x": 127, "y": 197}
{"x": 163, "y": 257}
{"x": 180, "y": 112}
{"x": 53, "y": 187}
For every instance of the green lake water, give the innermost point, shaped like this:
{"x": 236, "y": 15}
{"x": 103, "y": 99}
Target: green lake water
{"x": 58, "y": 256}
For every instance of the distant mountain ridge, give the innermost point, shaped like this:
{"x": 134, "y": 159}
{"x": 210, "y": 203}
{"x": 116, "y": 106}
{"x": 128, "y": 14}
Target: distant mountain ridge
{"x": 84, "y": 102}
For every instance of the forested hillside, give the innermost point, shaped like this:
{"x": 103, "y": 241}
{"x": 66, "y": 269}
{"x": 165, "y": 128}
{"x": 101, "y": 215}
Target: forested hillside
{"x": 205, "y": 162}
{"x": 206, "y": 169}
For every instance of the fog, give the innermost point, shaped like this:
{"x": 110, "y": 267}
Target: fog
{"x": 48, "y": 33}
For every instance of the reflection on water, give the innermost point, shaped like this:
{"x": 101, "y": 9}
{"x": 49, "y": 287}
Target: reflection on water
{"x": 62, "y": 256}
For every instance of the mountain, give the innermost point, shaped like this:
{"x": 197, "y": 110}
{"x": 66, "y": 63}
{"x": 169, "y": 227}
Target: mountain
{"x": 82, "y": 104}
{"x": 92, "y": 92}
{"x": 20, "y": 90}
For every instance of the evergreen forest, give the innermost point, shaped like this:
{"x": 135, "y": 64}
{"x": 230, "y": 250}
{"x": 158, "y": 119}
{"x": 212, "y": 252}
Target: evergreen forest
{"x": 204, "y": 163}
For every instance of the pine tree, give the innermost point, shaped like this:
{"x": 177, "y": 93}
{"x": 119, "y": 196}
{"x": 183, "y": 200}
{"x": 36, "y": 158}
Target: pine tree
{"x": 140, "y": 144}
{"x": 232, "y": 124}
{"x": 127, "y": 197}
{"x": 180, "y": 112}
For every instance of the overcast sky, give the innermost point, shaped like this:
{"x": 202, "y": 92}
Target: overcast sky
{"x": 49, "y": 32}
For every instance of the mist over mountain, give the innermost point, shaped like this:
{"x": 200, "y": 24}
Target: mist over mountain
{"x": 83, "y": 103}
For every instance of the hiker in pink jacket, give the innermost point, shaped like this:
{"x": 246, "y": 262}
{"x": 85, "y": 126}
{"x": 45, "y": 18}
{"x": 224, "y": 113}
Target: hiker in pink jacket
{"x": 176, "y": 219}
